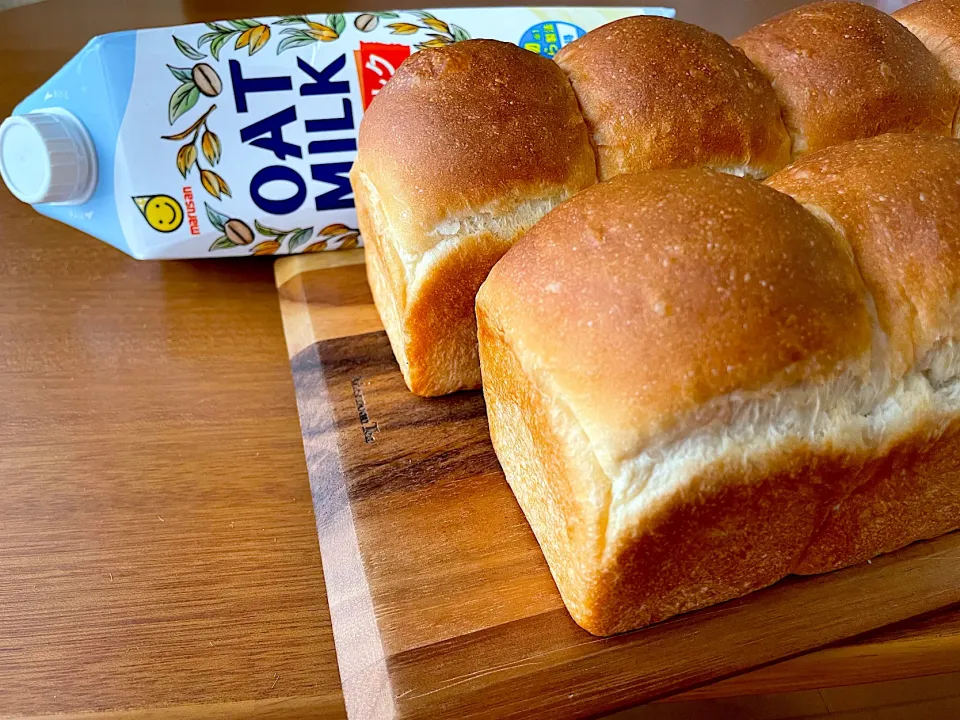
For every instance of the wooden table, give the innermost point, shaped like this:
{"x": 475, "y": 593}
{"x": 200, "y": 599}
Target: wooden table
{"x": 157, "y": 541}
{"x": 158, "y": 553}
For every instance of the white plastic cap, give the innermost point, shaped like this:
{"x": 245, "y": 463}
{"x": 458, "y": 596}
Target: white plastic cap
{"x": 48, "y": 157}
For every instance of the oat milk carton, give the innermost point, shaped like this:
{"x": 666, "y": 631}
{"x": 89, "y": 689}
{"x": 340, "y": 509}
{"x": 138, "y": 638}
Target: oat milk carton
{"x": 234, "y": 138}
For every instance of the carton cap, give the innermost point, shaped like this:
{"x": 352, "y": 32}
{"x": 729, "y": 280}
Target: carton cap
{"x": 48, "y": 157}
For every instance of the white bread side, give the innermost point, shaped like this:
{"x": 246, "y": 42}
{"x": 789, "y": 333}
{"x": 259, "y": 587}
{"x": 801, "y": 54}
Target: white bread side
{"x": 465, "y": 148}
{"x": 896, "y": 201}
{"x": 677, "y": 438}
{"x": 426, "y": 297}
{"x": 679, "y": 370}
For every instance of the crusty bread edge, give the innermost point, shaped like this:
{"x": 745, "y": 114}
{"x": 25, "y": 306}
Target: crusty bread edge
{"x": 788, "y": 512}
{"x": 543, "y": 469}
{"x": 390, "y": 302}
{"x": 429, "y": 318}
{"x": 654, "y": 571}
{"x": 756, "y": 526}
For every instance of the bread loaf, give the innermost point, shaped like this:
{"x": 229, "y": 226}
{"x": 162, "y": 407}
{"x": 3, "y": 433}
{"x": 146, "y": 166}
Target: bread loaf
{"x": 464, "y": 149}
{"x": 697, "y": 385}
{"x": 675, "y": 366}
{"x": 844, "y": 71}
{"x": 937, "y": 24}
{"x": 469, "y": 145}
{"x": 660, "y": 93}
{"x": 903, "y": 227}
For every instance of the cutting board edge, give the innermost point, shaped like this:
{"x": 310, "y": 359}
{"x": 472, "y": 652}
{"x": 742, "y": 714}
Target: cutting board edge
{"x": 378, "y": 677}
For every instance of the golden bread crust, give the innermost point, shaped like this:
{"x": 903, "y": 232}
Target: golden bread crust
{"x": 661, "y": 93}
{"x": 385, "y": 271}
{"x": 645, "y": 510}
{"x": 843, "y": 71}
{"x": 557, "y": 481}
{"x": 566, "y": 379}
{"x": 896, "y": 200}
{"x": 606, "y": 289}
{"x": 464, "y": 149}
{"x": 911, "y": 493}
{"x": 441, "y": 324}
{"x": 479, "y": 125}
{"x": 937, "y": 24}
{"x": 727, "y": 532}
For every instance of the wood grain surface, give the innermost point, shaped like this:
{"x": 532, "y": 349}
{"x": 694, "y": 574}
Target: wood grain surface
{"x": 157, "y": 541}
{"x": 441, "y": 602}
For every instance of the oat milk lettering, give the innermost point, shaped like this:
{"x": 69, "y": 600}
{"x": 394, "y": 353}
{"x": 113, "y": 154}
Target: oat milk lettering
{"x": 234, "y": 138}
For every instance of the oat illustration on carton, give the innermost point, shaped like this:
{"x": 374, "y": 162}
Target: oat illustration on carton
{"x": 188, "y": 158}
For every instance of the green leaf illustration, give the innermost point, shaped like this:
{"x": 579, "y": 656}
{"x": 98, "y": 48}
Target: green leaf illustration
{"x": 385, "y": 15}
{"x": 422, "y": 14}
{"x": 217, "y": 45}
{"x": 217, "y": 219}
{"x": 292, "y": 20}
{"x": 459, "y": 34}
{"x": 244, "y": 24}
{"x": 298, "y": 238}
{"x": 294, "y": 41}
{"x": 222, "y": 243}
{"x": 337, "y": 22}
{"x": 207, "y": 39}
{"x": 187, "y": 49}
{"x": 184, "y": 75}
{"x": 268, "y": 231}
{"x": 183, "y": 100}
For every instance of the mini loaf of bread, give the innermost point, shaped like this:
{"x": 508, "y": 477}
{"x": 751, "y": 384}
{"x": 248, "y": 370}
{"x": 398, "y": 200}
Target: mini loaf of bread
{"x": 660, "y": 93}
{"x": 844, "y": 71}
{"x": 937, "y": 24}
{"x": 896, "y": 201}
{"x": 675, "y": 366}
{"x": 462, "y": 151}
{"x": 697, "y": 385}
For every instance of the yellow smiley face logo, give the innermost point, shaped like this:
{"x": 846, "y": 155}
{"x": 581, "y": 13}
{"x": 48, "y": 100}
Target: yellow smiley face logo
{"x": 161, "y": 212}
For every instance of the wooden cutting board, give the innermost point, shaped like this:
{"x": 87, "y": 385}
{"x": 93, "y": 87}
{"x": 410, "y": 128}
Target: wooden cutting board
{"x": 441, "y": 602}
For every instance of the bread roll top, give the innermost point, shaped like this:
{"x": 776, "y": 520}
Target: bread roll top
{"x": 644, "y": 298}
{"x": 660, "y": 93}
{"x": 475, "y": 128}
{"x": 844, "y": 71}
{"x": 937, "y": 24}
{"x": 896, "y": 200}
